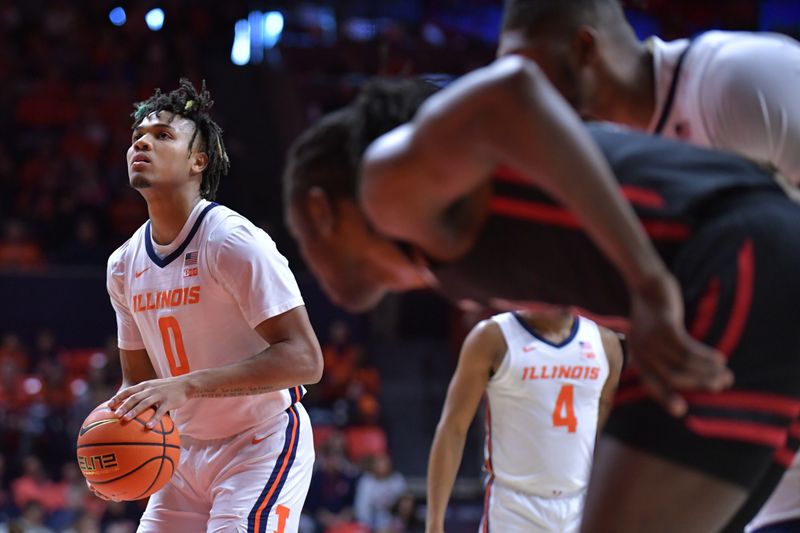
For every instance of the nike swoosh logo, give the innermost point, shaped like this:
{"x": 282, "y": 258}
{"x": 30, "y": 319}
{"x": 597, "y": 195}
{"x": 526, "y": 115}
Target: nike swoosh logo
{"x": 86, "y": 429}
{"x": 257, "y": 440}
{"x": 529, "y": 348}
{"x": 142, "y": 272}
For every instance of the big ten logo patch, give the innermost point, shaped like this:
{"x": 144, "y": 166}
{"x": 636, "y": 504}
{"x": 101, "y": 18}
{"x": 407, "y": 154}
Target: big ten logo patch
{"x": 190, "y": 266}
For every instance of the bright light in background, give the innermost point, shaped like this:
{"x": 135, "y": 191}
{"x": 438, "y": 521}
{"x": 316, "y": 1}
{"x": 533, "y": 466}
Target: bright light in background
{"x": 32, "y": 386}
{"x": 254, "y": 35}
{"x": 117, "y": 16}
{"x": 273, "y": 27}
{"x": 240, "y": 52}
{"x": 155, "y": 19}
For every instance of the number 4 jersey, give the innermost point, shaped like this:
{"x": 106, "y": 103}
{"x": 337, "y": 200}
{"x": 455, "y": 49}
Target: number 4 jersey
{"x": 193, "y": 305}
{"x": 542, "y": 408}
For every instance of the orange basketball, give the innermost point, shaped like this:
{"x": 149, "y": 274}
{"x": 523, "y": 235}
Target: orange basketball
{"x": 124, "y": 460}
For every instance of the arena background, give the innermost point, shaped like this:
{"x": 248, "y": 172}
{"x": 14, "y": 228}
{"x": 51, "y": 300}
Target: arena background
{"x": 69, "y": 72}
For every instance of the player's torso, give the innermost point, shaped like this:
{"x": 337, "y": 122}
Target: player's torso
{"x": 542, "y": 408}
{"x": 188, "y": 321}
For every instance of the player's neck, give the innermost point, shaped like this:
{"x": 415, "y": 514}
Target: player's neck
{"x": 169, "y": 213}
{"x": 555, "y": 325}
{"x": 631, "y": 98}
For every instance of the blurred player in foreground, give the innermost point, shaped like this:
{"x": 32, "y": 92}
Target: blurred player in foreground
{"x": 502, "y": 194}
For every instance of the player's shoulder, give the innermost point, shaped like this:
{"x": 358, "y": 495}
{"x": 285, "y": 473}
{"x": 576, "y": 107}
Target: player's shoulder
{"x": 489, "y": 330}
{"x": 736, "y": 51}
{"x": 122, "y": 255}
{"x": 230, "y": 232}
{"x": 223, "y": 221}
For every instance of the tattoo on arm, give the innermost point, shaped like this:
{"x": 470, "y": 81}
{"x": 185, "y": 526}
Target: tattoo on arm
{"x": 225, "y": 392}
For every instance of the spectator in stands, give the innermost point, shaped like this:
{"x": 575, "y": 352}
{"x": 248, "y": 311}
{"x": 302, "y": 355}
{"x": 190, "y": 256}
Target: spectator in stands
{"x": 18, "y": 252}
{"x": 405, "y": 516}
{"x": 31, "y": 520}
{"x": 377, "y": 491}
{"x": 84, "y": 523}
{"x": 333, "y": 484}
{"x": 6, "y": 506}
{"x": 35, "y": 486}
{"x": 340, "y": 356}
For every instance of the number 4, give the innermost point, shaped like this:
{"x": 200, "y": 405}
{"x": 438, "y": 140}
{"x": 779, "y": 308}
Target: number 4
{"x": 565, "y": 404}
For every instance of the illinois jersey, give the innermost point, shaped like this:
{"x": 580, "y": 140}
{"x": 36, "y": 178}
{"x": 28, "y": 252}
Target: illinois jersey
{"x": 734, "y": 91}
{"x": 193, "y": 305}
{"x": 542, "y": 409}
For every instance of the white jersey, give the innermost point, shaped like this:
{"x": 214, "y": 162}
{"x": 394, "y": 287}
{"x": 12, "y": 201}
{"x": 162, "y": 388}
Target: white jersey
{"x": 193, "y": 305}
{"x": 784, "y": 504}
{"x": 542, "y": 409}
{"x": 734, "y": 91}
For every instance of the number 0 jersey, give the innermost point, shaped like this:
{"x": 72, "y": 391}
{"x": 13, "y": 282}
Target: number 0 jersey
{"x": 542, "y": 409}
{"x": 193, "y": 305}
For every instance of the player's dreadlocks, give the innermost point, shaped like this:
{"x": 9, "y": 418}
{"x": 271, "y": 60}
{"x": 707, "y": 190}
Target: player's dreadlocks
{"x": 188, "y": 103}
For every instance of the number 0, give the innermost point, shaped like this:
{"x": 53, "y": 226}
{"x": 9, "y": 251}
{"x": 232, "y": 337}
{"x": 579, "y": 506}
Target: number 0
{"x": 565, "y": 404}
{"x": 180, "y": 364}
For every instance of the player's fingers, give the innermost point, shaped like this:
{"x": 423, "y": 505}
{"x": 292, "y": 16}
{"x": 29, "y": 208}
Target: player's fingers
{"x": 154, "y": 420}
{"x": 661, "y": 393}
{"x": 123, "y": 395}
{"x": 709, "y": 366}
{"x": 136, "y": 404}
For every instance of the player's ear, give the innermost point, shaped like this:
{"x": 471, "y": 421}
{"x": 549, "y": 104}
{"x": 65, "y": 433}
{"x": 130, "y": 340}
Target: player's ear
{"x": 199, "y": 162}
{"x": 584, "y": 46}
{"x": 320, "y": 211}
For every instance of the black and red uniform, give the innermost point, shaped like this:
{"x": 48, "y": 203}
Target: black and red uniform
{"x": 731, "y": 237}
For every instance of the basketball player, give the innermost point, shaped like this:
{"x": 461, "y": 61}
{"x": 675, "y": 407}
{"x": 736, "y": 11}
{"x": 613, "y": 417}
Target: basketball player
{"x": 735, "y": 91}
{"x": 212, "y": 329}
{"x": 549, "y": 382}
{"x": 502, "y": 192}
{"x": 729, "y": 90}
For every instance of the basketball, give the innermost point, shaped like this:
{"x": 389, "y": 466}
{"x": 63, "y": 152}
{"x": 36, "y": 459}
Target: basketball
{"x": 123, "y": 460}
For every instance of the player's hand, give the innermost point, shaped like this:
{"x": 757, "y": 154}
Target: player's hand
{"x": 98, "y": 493}
{"x": 163, "y": 394}
{"x": 669, "y": 359}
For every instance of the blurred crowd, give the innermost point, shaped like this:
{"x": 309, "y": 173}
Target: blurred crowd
{"x": 68, "y": 79}
{"x": 46, "y": 391}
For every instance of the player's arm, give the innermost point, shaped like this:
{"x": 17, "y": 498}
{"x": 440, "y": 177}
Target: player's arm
{"x": 136, "y": 367}
{"x": 613, "y": 349}
{"x": 508, "y": 113}
{"x": 749, "y": 102}
{"x": 292, "y": 358}
{"x": 483, "y": 347}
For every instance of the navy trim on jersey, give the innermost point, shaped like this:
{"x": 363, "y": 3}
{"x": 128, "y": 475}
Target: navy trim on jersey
{"x": 148, "y": 243}
{"x": 662, "y": 121}
{"x": 259, "y": 514}
{"x": 570, "y": 337}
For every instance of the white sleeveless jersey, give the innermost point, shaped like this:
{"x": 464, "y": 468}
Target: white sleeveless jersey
{"x": 193, "y": 305}
{"x": 784, "y": 504}
{"x": 735, "y": 91}
{"x": 542, "y": 409}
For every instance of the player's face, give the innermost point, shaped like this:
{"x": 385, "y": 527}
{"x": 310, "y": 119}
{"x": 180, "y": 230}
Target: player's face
{"x": 354, "y": 265}
{"x": 553, "y": 57}
{"x": 159, "y": 152}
